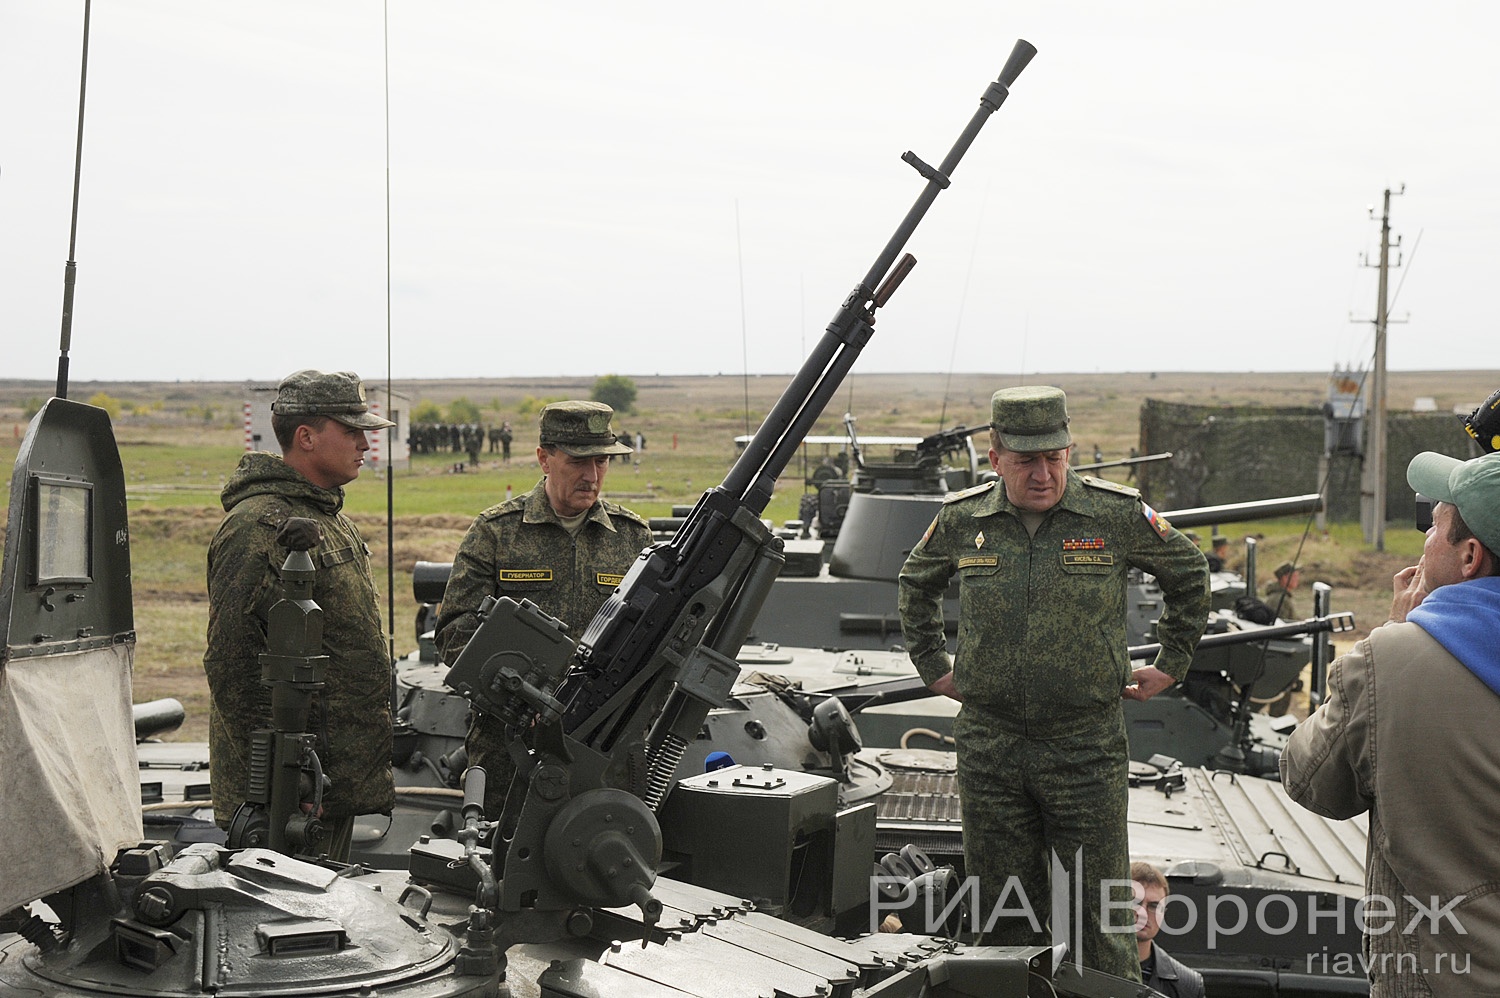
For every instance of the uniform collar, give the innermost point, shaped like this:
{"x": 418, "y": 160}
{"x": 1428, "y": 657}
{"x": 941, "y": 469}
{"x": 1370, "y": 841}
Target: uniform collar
{"x": 1076, "y": 498}
{"x": 539, "y": 510}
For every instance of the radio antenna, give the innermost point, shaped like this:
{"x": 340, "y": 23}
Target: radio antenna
{"x": 70, "y": 269}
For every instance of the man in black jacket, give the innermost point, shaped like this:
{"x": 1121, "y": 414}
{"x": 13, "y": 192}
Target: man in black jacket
{"x": 1158, "y": 970}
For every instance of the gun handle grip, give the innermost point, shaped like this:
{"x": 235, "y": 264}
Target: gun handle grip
{"x": 474, "y": 780}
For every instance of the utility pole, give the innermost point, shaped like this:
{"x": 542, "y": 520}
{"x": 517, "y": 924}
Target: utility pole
{"x": 1372, "y": 483}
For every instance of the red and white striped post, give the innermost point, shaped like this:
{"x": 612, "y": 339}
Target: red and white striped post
{"x": 375, "y": 436}
{"x": 249, "y": 434}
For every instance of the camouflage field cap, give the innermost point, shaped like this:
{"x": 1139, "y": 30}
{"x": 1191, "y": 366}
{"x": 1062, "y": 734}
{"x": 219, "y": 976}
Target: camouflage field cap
{"x": 1031, "y": 418}
{"x": 1472, "y": 486}
{"x": 339, "y": 396}
{"x": 580, "y": 429}
{"x": 1284, "y": 569}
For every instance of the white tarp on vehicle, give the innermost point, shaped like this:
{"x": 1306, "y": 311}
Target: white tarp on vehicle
{"x": 69, "y": 785}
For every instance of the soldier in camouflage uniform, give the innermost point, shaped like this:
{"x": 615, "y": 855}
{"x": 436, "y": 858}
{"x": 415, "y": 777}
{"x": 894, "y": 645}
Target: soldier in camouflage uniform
{"x": 1041, "y": 668}
{"x": 320, "y": 422}
{"x": 1279, "y": 595}
{"x": 559, "y": 545}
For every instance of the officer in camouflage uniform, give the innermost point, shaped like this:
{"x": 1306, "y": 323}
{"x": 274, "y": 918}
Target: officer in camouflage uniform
{"x": 1041, "y": 668}
{"x": 559, "y": 545}
{"x": 320, "y": 422}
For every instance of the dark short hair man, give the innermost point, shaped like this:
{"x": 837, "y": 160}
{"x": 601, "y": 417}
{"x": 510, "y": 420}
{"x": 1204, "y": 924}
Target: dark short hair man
{"x": 320, "y": 420}
{"x": 1159, "y": 971}
{"x": 1407, "y": 734}
{"x": 561, "y": 545}
{"x": 1042, "y": 558}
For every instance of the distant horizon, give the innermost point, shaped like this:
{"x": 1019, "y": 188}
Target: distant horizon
{"x": 967, "y": 373}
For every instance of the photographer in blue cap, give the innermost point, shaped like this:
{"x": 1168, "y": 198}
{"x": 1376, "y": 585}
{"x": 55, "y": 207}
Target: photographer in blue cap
{"x": 1408, "y": 733}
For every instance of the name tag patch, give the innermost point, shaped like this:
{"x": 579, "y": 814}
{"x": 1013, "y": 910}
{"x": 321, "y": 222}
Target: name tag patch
{"x": 1080, "y": 558}
{"x": 608, "y": 578}
{"x": 331, "y": 558}
{"x": 525, "y": 575}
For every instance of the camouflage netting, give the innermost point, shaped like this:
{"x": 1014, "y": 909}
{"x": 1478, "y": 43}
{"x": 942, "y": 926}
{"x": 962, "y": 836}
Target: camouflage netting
{"x": 1227, "y": 454}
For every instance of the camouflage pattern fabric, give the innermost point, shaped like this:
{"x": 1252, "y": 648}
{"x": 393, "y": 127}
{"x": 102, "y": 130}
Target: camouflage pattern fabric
{"x": 1041, "y": 663}
{"x": 520, "y": 549}
{"x": 1041, "y": 634}
{"x": 352, "y": 714}
{"x": 1023, "y": 796}
{"x": 1282, "y": 600}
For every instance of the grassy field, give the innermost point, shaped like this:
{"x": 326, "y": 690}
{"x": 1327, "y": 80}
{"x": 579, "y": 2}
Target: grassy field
{"x": 180, "y": 441}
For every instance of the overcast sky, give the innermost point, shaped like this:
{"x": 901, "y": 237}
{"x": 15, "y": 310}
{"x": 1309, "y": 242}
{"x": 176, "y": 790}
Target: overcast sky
{"x": 664, "y": 187}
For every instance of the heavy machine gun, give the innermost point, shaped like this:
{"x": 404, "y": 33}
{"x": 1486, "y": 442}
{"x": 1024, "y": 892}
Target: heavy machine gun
{"x": 609, "y": 720}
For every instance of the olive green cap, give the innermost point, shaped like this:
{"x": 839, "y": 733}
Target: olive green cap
{"x": 1031, "y": 418}
{"x": 1284, "y": 569}
{"x": 580, "y": 429}
{"x": 339, "y": 396}
{"x": 1473, "y": 487}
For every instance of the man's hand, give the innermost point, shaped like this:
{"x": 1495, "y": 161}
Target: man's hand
{"x": 945, "y": 687}
{"x": 1410, "y": 585}
{"x": 1149, "y": 681}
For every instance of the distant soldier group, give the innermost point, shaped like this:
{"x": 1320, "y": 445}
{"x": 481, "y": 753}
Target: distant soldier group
{"x": 459, "y": 438}
{"x": 434, "y": 438}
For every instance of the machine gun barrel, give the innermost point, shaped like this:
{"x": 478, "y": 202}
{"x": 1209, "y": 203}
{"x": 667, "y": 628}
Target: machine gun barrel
{"x": 945, "y": 440}
{"x": 674, "y": 591}
{"x": 1333, "y": 623}
{"x": 1124, "y": 462}
{"x": 762, "y": 461}
{"x": 1237, "y": 512}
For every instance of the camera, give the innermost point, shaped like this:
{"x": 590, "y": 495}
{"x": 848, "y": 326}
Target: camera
{"x": 1424, "y": 513}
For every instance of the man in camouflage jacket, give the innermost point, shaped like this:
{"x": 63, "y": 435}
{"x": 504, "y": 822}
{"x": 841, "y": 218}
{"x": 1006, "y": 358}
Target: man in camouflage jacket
{"x": 559, "y": 545}
{"x": 1041, "y": 668}
{"x": 320, "y": 421}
